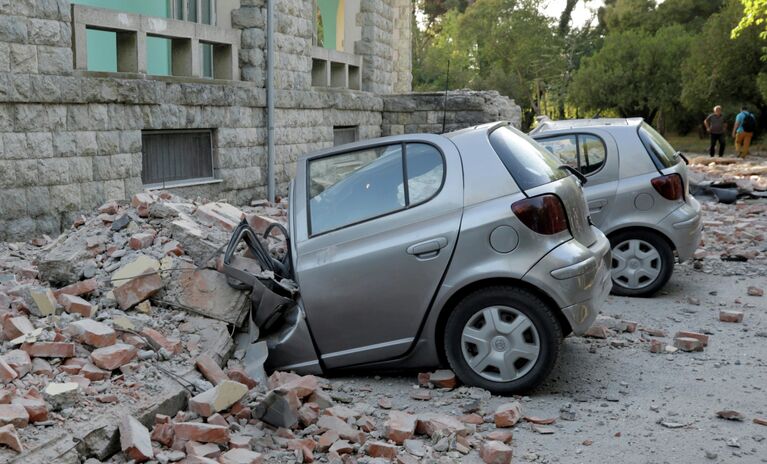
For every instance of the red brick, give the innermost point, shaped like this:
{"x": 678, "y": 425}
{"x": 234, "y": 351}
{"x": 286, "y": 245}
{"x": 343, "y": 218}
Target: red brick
{"x": 217, "y": 419}
{"x": 222, "y": 215}
{"x": 49, "y": 349}
{"x": 431, "y": 423}
{"x": 495, "y": 452}
{"x": 327, "y": 439}
{"x": 702, "y": 337}
{"x": 631, "y": 326}
{"x": 308, "y": 414}
{"x": 261, "y": 223}
{"x": 379, "y": 449}
{"x": 504, "y": 436}
{"x": 239, "y": 441}
{"x": 93, "y": 333}
{"x": 656, "y": 346}
{"x": 35, "y": 405}
{"x": 83, "y": 287}
{"x": 5, "y": 396}
{"x": 341, "y": 447}
{"x": 15, "y": 414}
{"x": 138, "y": 289}
{"x": 241, "y": 456}
{"x": 210, "y": 369}
{"x": 93, "y": 373}
{"x": 7, "y": 374}
{"x": 112, "y": 357}
{"x": 345, "y": 431}
{"x": 730, "y": 316}
{"x": 134, "y": 440}
{"x": 597, "y": 331}
{"x": 9, "y": 438}
{"x": 15, "y": 327}
{"x": 475, "y": 419}
{"x": 110, "y": 207}
{"x": 73, "y": 366}
{"x": 399, "y": 427}
{"x": 42, "y": 367}
{"x": 141, "y": 240}
{"x": 163, "y": 434}
{"x": 306, "y": 446}
{"x": 76, "y": 305}
{"x": 172, "y": 248}
{"x": 158, "y": 340}
{"x": 142, "y": 201}
{"x": 239, "y": 375}
{"x": 302, "y": 386}
{"x": 19, "y": 361}
{"x": 107, "y": 399}
{"x": 204, "y": 450}
{"x": 688, "y": 344}
{"x": 218, "y": 398}
{"x": 755, "y": 291}
{"x": 760, "y": 421}
{"x": 203, "y": 433}
{"x": 443, "y": 378}
{"x": 508, "y": 414}
{"x": 423, "y": 379}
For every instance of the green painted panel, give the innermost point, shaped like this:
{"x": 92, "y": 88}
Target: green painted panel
{"x": 328, "y": 11}
{"x": 102, "y": 46}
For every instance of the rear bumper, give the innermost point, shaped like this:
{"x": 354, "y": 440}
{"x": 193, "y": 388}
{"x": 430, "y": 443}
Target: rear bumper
{"x": 577, "y": 278}
{"x": 684, "y": 227}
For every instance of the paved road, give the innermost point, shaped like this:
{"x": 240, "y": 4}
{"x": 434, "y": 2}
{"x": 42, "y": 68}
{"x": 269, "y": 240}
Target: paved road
{"x": 620, "y": 395}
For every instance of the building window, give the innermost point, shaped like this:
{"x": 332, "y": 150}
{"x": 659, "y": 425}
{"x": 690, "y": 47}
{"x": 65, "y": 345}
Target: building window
{"x": 196, "y": 11}
{"x": 344, "y": 134}
{"x": 175, "y": 157}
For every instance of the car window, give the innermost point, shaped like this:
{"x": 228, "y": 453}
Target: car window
{"x": 425, "y": 171}
{"x": 592, "y": 151}
{"x": 528, "y": 162}
{"x": 352, "y": 187}
{"x": 662, "y": 153}
{"x": 564, "y": 147}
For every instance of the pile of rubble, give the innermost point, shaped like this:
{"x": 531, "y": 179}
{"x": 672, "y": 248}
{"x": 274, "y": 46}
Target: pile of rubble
{"x": 747, "y": 175}
{"x": 117, "y": 344}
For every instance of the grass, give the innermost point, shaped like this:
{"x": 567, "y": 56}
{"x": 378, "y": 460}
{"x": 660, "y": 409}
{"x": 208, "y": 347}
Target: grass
{"x": 691, "y": 143}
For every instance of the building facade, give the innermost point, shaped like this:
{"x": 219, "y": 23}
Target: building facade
{"x": 100, "y": 99}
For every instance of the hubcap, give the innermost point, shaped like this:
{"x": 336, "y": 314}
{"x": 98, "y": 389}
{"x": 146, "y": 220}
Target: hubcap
{"x": 500, "y": 343}
{"x": 636, "y": 264}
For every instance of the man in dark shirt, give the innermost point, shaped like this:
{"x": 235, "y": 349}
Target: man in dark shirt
{"x": 715, "y": 125}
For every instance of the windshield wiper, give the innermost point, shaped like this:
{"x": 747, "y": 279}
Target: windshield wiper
{"x": 575, "y": 172}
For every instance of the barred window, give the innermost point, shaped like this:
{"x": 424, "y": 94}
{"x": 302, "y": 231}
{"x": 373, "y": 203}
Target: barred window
{"x": 176, "y": 156}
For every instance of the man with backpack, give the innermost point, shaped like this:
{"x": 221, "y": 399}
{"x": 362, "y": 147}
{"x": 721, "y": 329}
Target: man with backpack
{"x": 745, "y": 125}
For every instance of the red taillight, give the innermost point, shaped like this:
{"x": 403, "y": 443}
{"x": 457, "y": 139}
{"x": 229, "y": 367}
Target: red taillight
{"x": 544, "y": 214}
{"x": 670, "y": 187}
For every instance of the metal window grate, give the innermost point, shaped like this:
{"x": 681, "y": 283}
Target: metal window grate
{"x": 344, "y": 134}
{"x": 174, "y": 156}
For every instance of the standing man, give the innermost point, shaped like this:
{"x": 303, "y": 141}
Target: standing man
{"x": 745, "y": 125}
{"x": 715, "y": 127}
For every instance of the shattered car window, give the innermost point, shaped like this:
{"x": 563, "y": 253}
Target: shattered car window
{"x": 351, "y": 187}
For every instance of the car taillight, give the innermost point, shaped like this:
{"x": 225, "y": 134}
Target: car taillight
{"x": 544, "y": 214}
{"x": 670, "y": 186}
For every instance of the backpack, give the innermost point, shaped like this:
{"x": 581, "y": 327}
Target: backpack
{"x": 749, "y": 123}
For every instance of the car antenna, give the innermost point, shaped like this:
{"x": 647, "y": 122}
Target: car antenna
{"x": 444, "y": 104}
{"x": 597, "y": 115}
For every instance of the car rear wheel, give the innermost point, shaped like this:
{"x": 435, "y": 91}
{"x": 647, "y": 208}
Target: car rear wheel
{"x": 503, "y": 339}
{"x": 642, "y": 263}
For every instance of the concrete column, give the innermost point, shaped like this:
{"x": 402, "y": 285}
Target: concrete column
{"x": 223, "y": 65}
{"x": 141, "y": 59}
{"x": 185, "y": 57}
{"x": 80, "y": 41}
{"x": 127, "y": 52}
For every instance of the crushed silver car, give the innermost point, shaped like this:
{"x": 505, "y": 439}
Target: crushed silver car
{"x": 472, "y": 249}
{"x": 637, "y": 192}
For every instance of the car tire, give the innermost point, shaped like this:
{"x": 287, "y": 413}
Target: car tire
{"x": 515, "y": 307}
{"x": 649, "y": 244}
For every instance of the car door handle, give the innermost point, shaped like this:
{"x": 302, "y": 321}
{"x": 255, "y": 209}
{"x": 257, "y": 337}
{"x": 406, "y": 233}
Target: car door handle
{"x": 428, "y": 247}
{"x": 597, "y": 205}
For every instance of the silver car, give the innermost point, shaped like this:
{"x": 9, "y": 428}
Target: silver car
{"x": 472, "y": 249}
{"x": 637, "y": 192}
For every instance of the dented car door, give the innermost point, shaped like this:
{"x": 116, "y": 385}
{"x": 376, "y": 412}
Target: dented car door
{"x": 374, "y": 227}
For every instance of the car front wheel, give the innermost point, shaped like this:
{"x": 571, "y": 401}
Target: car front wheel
{"x": 642, "y": 263}
{"x": 502, "y": 339}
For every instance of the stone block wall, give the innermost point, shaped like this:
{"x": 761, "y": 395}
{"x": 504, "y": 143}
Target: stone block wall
{"x": 424, "y": 111}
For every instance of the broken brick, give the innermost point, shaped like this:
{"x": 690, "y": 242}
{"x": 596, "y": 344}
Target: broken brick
{"x": 302, "y": 386}
{"x": 308, "y": 414}
{"x": 730, "y": 316}
{"x": 504, "y": 436}
{"x": 443, "y": 378}
{"x": 688, "y": 344}
{"x": 91, "y": 372}
{"x": 141, "y": 240}
{"x": 755, "y": 291}
{"x": 341, "y": 447}
{"x": 327, "y": 439}
{"x": 495, "y": 452}
{"x": 42, "y": 367}
{"x": 210, "y": 369}
{"x": 656, "y": 346}
{"x": 379, "y": 449}
{"x": 7, "y": 374}
{"x": 93, "y": 333}
{"x": 218, "y": 398}
{"x": 83, "y": 287}
{"x": 163, "y": 434}
{"x": 34, "y": 404}
{"x": 138, "y": 288}
{"x": 203, "y": 433}
{"x": 14, "y": 414}
{"x": 76, "y": 305}
{"x": 239, "y": 375}
{"x": 305, "y": 446}
{"x": 702, "y": 337}
{"x": 597, "y": 331}
{"x": 142, "y": 201}
{"x": 19, "y": 361}
{"x": 241, "y": 456}
{"x": 158, "y": 340}
{"x": 49, "y": 349}
{"x": 399, "y": 427}
{"x": 508, "y": 414}
{"x": 114, "y": 356}
{"x": 344, "y": 430}
{"x": 205, "y": 450}
{"x": 432, "y": 423}
{"x": 10, "y": 438}
{"x": 134, "y": 439}
{"x": 14, "y": 327}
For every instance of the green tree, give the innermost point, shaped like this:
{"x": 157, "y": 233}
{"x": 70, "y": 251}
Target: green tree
{"x": 635, "y": 73}
{"x": 721, "y": 70}
{"x": 754, "y": 14}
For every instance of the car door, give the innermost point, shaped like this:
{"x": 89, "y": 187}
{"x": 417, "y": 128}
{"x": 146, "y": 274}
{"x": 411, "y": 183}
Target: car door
{"x": 375, "y": 227}
{"x": 595, "y": 154}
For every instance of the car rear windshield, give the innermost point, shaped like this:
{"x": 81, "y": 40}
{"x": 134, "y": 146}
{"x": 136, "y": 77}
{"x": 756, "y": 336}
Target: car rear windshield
{"x": 528, "y": 163}
{"x": 662, "y": 153}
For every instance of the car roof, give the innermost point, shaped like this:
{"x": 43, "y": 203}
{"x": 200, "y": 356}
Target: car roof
{"x": 548, "y": 125}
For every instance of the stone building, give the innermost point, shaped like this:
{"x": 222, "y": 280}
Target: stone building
{"x": 100, "y": 99}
